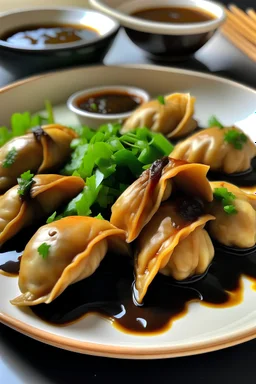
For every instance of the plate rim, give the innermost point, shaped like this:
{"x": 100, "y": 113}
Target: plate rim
{"x": 130, "y": 352}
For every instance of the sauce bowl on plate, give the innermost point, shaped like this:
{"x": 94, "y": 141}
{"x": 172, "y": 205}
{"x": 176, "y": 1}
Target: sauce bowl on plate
{"x": 164, "y": 37}
{"x": 45, "y": 38}
{"x": 106, "y": 104}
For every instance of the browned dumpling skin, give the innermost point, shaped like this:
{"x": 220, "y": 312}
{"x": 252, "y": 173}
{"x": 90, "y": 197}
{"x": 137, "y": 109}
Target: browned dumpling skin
{"x": 173, "y": 246}
{"x": 173, "y": 119}
{"x": 77, "y": 246}
{"x": 235, "y": 230}
{"x": 141, "y": 200}
{"x": 209, "y": 147}
{"x": 46, "y": 195}
{"x": 45, "y": 149}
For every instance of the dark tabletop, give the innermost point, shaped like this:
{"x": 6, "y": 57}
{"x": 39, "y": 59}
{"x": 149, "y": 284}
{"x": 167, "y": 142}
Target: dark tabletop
{"x": 24, "y": 360}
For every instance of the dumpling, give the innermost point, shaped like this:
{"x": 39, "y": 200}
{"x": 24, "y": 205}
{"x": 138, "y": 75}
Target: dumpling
{"x": 140, "y": 201}
{"x": 76, "y": 245}
{"x": 236, "y": 228}
{"x": 173, "y": 119}
{"x": 173, "y": 246}
{"x": 45, "y": 149}
{"x": 209, "y": 146}
{"x": 47, "y": 193}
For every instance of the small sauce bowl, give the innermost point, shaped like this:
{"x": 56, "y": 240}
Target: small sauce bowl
{"x": 107, "y": 104}
{"x": 162, "y": 40}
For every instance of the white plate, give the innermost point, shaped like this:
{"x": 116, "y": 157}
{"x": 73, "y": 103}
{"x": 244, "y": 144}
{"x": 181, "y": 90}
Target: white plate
{"x": 202, "y": 329}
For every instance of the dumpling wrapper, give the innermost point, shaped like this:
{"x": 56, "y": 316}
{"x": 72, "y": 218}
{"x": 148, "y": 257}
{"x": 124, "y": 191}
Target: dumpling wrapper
{"x": 173, "y": 119}
{"x": 46, "y": 195}
{"x": 236, "y": 230}
{"x": 42, "y": 151}
{"x": 173, "y": 247}
{"x": 209, "y": 147}
{"x": 77, "y": 246}
{"x": 141, "y": 200}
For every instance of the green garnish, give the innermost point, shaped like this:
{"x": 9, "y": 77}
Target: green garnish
{"x": 43, "y": 250}
{"x": 51, "y": 218}
{"x": 25, "y": 182}
{"x": 222, "y": 194}
{"x": 161, "y": 99}
{"x": 99, "y": 216}
{"x": 214, "y": 122}
{"x": 236, "y": 138}
{"x": 10, "y": 158}
{"x": 21, "y": 123}
{"x": 94, "y": 107}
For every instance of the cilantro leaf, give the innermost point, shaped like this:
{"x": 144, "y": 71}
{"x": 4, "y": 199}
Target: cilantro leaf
{"x": 236, "y": 138}
{"x": 222, "y": 194}
{"x": 43, "y": 250}
{"x": 214, "y": 122}
{"x": 25, "y": 182}
{"x": 51, "y": 218}
{"x": 161, "y": 99}
{"x": 10, "y": 158}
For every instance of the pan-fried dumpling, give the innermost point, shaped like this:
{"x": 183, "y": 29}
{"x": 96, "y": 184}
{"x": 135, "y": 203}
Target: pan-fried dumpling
{"x": 235, "y": 223}
{"x": 47, "y": 193}
{"x": 45, "y": 149}
{"x": 140, "y": 201}
{"x": 226, "y": 150}
{"x": 173, "y": 246}
{"x": 75, "y": 247}
{"x": 174, "y": 118}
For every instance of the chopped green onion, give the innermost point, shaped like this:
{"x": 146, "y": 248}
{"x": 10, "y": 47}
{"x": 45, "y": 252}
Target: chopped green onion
{"x": 51, "y": 218}
{"x": 161, "y": 99}
{"x": 94, "y": 107}
{"x": 49, "y": 110}
{"x": 214, "y": 122}
{"x": 236, "y": 138}
{"x": 226, "y": 198}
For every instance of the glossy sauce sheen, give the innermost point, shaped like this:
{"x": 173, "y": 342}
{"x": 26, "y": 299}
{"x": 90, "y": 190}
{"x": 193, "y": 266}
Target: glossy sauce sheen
{"x": 109, "y": 102}
{"x": 174, "y": 15}
{"x": 49, "y": 35}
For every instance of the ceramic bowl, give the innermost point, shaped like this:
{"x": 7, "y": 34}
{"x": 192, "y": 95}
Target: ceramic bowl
{"x": 170, "y": 41}
{"x": 56, "y": 55}
{"x": 94, "y": 120}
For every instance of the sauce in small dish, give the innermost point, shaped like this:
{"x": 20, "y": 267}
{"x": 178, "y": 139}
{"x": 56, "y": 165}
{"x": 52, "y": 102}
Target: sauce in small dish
{"x": 42, "y": 35}
{"x": 101, "y": 105}
{"x": 174, "y": 15}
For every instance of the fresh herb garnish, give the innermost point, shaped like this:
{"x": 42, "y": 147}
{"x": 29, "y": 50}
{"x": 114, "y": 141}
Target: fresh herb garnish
{"x": 214, "y": 122}
{"x": 99, "y": 216}
{"x": 94, "y": 107}
{"x": 51, "y": 218}
{"x": 43, "y": 250}
{"x": 49, "y": 111}
{"x": 222, "y": 194}
{"x": 161, "y": 99}
{"x": 236, "y": 138}
{"x": 25, "y": 182}
{"x": 10, "y": 158}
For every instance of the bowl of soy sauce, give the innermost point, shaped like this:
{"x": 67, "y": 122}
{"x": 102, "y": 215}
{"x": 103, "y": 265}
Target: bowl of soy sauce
{"x": 46, "y": 38}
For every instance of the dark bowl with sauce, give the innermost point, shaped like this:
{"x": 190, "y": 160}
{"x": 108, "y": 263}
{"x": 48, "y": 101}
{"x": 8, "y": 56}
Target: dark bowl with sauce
{"x": 43, "y": 39}
{"x": 166, "y": 29}
{"x": 107, "y": 104}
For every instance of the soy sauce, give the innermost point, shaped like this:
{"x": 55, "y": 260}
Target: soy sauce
{"x": 177, "y": 15}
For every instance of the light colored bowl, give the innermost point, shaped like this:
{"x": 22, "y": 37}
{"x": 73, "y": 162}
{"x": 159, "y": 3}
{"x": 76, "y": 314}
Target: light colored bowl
{"x": 94, "y": 120}
{"x": 163, "y": 39}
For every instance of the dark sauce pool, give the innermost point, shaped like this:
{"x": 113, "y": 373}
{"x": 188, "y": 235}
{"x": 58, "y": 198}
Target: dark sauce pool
{"x": 109, "y": 291}
{"x": 40, "y": 36}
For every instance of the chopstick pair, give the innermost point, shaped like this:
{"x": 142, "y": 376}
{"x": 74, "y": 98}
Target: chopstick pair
{"x": 240, "y": 29}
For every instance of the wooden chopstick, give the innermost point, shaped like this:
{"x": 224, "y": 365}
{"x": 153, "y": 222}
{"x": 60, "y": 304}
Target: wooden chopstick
{"x": 239, "y": 41}
{"x": 243, "y": 16}
{"x": 250, "y": 12}
{"x": 235, "y": 22}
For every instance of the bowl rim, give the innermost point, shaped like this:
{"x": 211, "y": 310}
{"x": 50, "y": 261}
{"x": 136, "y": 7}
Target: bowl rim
{"x": 164, "y": 28}
{"x": 72, "y": 106}
{"x": 58, "y": 47}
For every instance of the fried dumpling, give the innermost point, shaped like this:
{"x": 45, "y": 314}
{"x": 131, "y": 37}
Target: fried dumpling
{"x": 47, "y": 193}
{"x": 76, "y": 246}
{"x": 210, "y": 147}
{"x": 174, "y": 118}
{"x": 235, "y": 223}
{"x": 140, "y": 201}
{"x": 45, "y": 149}
{"x": 173, "y": 246}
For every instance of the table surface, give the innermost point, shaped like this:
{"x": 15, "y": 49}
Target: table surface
{"x": 24, "y": 360}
